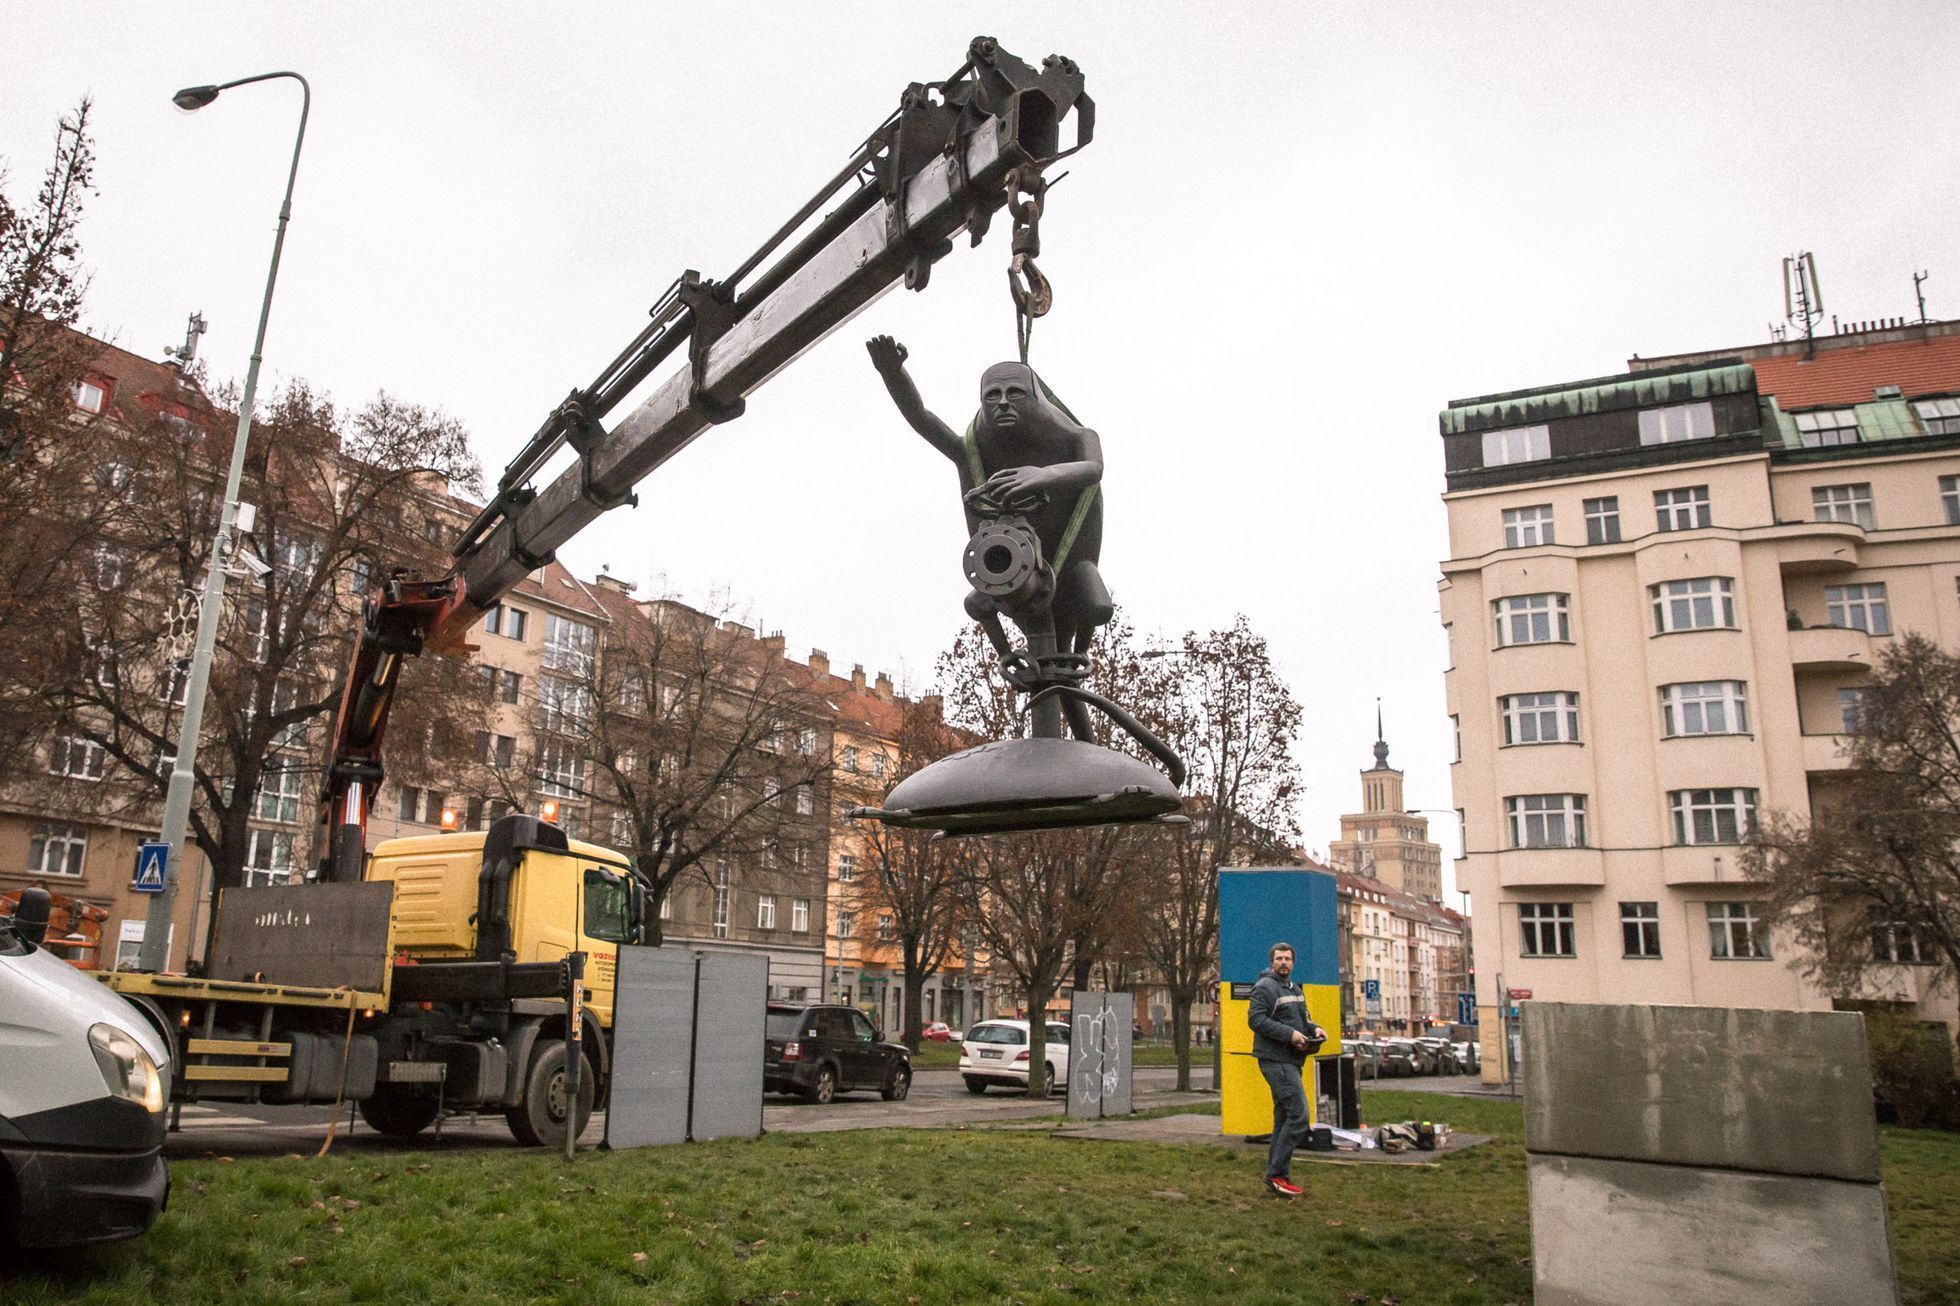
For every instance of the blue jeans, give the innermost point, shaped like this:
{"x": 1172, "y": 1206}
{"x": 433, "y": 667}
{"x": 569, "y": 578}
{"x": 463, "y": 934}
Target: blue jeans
{"x": 1289, "y": 1114}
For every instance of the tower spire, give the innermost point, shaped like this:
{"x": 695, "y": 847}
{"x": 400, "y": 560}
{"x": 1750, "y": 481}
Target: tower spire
{"x": 1381, "y": 742}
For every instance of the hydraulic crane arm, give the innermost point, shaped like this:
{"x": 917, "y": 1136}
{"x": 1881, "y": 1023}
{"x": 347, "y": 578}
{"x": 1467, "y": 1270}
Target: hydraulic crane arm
{"x": 947, "y": 159}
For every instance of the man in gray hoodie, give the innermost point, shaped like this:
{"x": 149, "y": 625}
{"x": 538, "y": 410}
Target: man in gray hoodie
{"x": 1283, "y": 1037}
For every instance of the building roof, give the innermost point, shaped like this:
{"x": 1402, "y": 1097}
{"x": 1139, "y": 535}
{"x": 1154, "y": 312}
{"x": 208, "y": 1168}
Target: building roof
{"x": 553, "y": 584}
{"x": 1848, "y": 374}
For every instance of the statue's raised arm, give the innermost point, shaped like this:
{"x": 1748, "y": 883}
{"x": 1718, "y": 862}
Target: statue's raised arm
{"x": 888, "y": 356}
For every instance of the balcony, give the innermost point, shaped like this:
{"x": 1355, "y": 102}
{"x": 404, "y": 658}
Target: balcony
{"x": 1830, "y": 648}
{"x": 1810, "y": 547}
{"x": 1821, "y": 753}
{"x": 1527, "y": 868}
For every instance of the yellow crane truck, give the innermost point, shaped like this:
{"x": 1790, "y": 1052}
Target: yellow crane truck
{"x": 439, "y": 981}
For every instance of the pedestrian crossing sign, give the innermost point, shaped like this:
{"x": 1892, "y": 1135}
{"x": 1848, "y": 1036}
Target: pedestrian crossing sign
{"x": 151, "y": 859}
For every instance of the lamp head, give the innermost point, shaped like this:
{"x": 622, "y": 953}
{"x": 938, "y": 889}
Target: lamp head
{"x": 193, "y": 98}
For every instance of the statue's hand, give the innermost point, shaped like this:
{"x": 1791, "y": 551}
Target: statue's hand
{"x": 1019, "y": 482}
{"x": 887, "y": 355}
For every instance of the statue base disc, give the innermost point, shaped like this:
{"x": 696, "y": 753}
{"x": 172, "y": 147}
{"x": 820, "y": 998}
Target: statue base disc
{"x": 1013, "y": 785}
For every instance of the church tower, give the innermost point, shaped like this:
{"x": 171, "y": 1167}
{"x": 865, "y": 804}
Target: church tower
{"x": 1383, "y": 841}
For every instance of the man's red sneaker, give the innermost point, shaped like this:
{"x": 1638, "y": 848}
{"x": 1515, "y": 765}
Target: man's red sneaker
{"x": 1283, "y": 1187}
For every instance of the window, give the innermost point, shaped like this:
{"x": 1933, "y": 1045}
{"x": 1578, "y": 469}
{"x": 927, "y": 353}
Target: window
{"x": 1705, "y": 603}
{"x": 118, "y": 482}
{"x": 799, "y": 915}
{"x": 277, "y": 798}
{"x": 887, "y": 929}
{"x": 1547, "y": 820}
{"x": 1685, "y": 509}
{"x": 1517, "y": 444}
{"x": 77, "y": 758}
{"x": 1851, "y": 707}
{"x": 621, "y": 830}
{"x": 256, "y": 627}
{"x": 504, "y": 686}
{"x": 563, "y": 706}
{"x": 765, "y": 912}
{"x": 1898, "y": 941}
{"x": 1705, "y": 816}
{"x": 502, "y": 619}
{"x": 1603, "y": 520}
{"x": 1540, "y": 718}
{"x": 608, "y": 906}
{"x": 91, "y": 394}
{"x": 1456, "y": 734}
{"x": 1858, "y": 607}
{"x": 806, "y": 741}
{"x": 721, "y": 900}
{"x": 1735, "y": 932}
{"x": 1532, "y": 619}
{"x": 1704, "y": 707}
{"x": 846, "y": 868}
{"x": 806, "y": 802}
{"x": 568, "y": 644}
{"x": 1950, "y": 495}
{"x": 561, "y": 771}
{"x": 632, "y": 693}
{"x": 1849, "y": 503}
{"x": 1524, "y": 527}
{"x": 850, "y": 760}
{"x": 496, "y": 750}
{"x": 268, "y": 857}
{"x": 1939, "y": 416}
{"x": 1827, "y": 426}
{"x": 111, "y": 567}
{"x": 846, "y": 922}
{"x": 294, "y": 559}
{"x": 878, "y": 765}
{"x": 1681, "y": 422}
{"x": 1640, "y": 928}
{"x": 1545, "y": 929}
{"x": 57, "y": 850}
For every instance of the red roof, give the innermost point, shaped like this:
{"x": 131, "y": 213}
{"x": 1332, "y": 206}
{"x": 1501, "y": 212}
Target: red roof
{"x": 1847, "y": 375}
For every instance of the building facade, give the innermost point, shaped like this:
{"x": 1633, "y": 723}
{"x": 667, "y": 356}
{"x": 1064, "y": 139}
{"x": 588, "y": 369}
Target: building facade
{"x": 1664, "y": 589}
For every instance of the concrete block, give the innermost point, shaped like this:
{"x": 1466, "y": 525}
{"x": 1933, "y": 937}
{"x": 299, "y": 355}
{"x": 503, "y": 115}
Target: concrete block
{"x": 1608, "y": 1232}
{"x": 1784, "y": 1092}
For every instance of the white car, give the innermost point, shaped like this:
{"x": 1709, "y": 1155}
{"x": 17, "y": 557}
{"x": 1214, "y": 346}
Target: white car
{"x": 996, "y": 1052}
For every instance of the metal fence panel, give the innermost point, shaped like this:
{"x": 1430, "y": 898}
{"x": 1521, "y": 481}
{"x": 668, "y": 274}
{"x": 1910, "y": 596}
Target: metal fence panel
{"x": 653, "y": 1047}
{"x": 731, "y": 1004}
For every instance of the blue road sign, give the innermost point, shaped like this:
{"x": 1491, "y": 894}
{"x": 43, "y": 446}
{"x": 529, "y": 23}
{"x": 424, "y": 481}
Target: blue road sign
{"x": 1371, "y": 988}
{"x": 1466, "y": 1008}
{"x": 151, "y": 859}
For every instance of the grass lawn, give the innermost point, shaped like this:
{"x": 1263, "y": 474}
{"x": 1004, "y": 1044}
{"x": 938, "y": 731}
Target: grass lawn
{"x": 950, "y": 1215}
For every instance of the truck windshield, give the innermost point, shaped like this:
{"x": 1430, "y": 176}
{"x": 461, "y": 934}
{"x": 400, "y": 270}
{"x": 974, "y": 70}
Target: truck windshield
{"x": 607, "y": 907}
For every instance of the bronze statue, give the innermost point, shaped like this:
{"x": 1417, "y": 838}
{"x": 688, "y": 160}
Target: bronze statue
{"x": 1027, "y": 468}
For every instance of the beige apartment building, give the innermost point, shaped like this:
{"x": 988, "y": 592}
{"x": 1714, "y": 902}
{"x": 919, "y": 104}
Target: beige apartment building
{"x": 1664, "y": 589}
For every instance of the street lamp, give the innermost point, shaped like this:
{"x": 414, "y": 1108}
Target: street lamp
{"x": 155, "y": 954}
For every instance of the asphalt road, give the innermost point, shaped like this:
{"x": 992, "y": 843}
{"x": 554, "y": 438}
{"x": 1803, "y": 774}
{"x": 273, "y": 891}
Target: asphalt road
{"x": 938, "y": 1097}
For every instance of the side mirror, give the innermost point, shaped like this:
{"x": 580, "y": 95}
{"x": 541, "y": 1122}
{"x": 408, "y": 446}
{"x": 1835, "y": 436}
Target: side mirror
{"x": 636, "y": 893}
{"x": 31, "y": 915}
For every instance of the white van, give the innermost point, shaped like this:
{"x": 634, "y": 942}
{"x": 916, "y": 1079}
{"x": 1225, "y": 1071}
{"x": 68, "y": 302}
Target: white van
{"x": 83, "y": 1082}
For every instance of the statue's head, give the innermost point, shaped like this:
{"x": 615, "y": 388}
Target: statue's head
{"x": 1010, "y": 396}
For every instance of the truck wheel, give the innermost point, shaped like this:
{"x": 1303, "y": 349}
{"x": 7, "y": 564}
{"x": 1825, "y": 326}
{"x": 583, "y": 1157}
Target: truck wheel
{"x": 539, "y": 1120}
{"x": 398, "y": 1115}
{"x": 825, "y": 1087}
{"x": 897, "y": 1086}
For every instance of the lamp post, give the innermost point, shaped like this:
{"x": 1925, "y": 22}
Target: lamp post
{"x": 155, "y": 954}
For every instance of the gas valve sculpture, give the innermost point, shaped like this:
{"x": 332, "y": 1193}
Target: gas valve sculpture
{"x": 1031, "y": 477}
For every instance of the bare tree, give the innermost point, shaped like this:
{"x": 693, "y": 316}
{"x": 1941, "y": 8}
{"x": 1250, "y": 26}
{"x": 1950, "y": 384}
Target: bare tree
{"x": 333, "y": 494}
{"x": 55, "y": 427}
{"x": 1042, "y": 903}
{"x": 1871, "y": 882}
{"x": 913, "y": 878}
{"x": 706, "y": 749}
{"x": 1219, "y": 701}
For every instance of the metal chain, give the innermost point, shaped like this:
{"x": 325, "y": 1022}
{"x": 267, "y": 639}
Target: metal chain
{"x": 1032, "y": 293}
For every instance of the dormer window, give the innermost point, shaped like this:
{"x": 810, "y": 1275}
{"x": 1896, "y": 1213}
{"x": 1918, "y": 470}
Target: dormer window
{"x": 1823, "y": 427}
{"x": 92, "y": 394}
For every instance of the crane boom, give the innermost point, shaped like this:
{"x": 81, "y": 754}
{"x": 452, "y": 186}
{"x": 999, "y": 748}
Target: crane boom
{"x": 943, "y": 162}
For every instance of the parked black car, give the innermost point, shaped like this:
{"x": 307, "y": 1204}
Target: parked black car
{"x": 1401, "y": 1057}
{"x": 818, "y": 1052}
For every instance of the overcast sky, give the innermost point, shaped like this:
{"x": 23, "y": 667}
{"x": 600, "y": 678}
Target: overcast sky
{"x": 1300, "y": 231}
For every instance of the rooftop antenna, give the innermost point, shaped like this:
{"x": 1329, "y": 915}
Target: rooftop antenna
{"x": 1919, "y": 279}
{"x": 1803, "y": 297}
{"x": 186, "y": 353}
